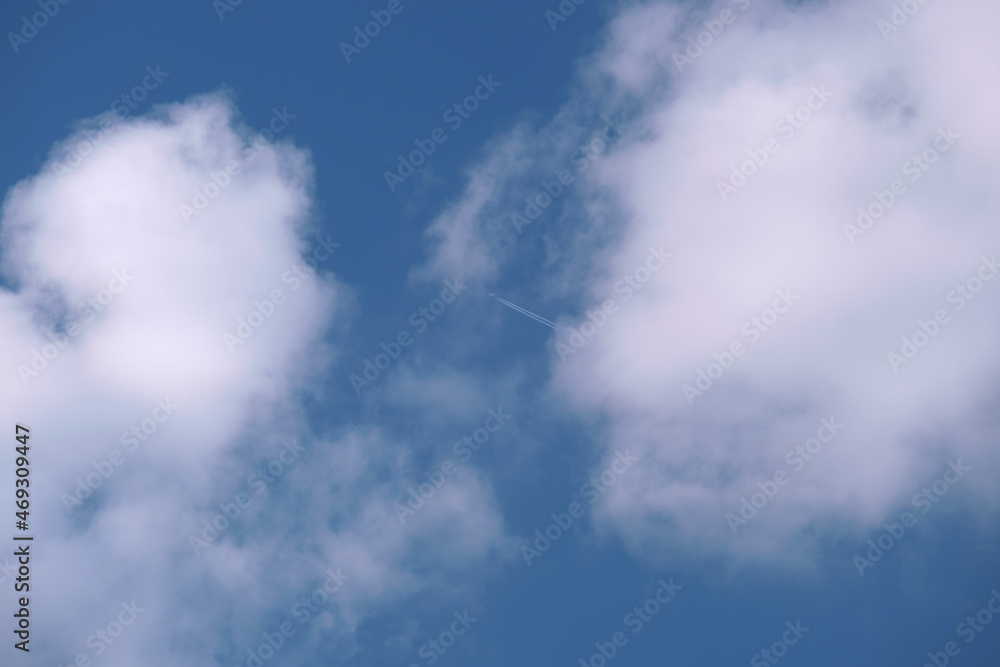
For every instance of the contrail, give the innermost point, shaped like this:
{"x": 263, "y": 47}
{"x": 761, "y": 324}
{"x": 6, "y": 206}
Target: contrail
{"x": 537, "y": 318}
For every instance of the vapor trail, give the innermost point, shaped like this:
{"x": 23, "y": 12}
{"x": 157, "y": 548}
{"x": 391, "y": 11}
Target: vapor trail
{"x": 537, "y": 318}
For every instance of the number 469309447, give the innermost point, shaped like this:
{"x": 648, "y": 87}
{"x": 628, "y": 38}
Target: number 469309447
{"x": 22, "y": 477}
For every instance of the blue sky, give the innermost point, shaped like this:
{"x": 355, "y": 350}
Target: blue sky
{"x": 755, "y": 241}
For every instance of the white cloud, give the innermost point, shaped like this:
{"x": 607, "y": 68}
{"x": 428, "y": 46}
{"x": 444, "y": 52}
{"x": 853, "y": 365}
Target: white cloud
{"x": 167, "y": 289}
{"x": 783, "y": 229}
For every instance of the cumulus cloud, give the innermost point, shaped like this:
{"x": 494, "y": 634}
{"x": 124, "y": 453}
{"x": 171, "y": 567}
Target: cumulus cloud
{"x": 753, "y": 204}
{"x": 168, "y": 293}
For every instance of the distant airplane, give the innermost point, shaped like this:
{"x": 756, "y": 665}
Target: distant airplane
{"x": 537, "y": 318}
